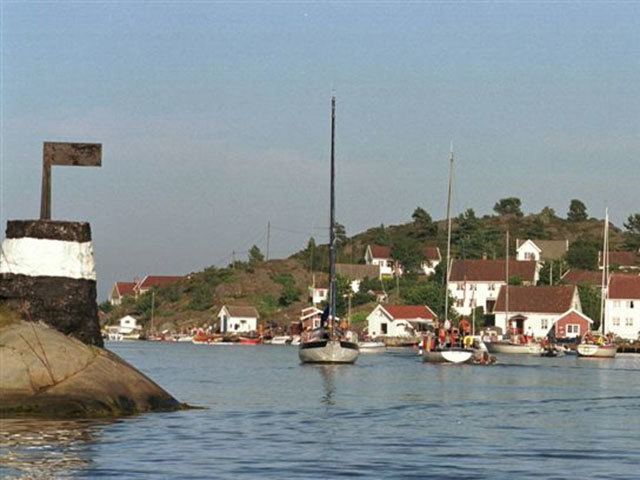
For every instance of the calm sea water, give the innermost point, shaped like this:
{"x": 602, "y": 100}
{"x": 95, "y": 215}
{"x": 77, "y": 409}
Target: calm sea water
{"x": 387, "y": 416}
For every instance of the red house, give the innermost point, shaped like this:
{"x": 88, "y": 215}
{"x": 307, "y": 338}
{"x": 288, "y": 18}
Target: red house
{"x": 572, "y": 324}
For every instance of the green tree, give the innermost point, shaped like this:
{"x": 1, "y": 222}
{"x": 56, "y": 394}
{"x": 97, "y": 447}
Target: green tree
{"x": 515, "y": 280}
{"x": 590, "y": 301}
{"x": 577, "y": 211}
{"x": 428, "y": 293}
{"x": 632, "y": 234}
{"x": 508, "y": 206}
{"x": 341, "y": 234}
{"x": 105, "y": 306}
{"x": 381, "y": 236}
{"x": 290, "y": 293}
{"x": 255, "y": 256}
{"x": 557, "y": 267}
{"x": 536, "y": 229}
{"x": 408, "y": 252}
{"x": 423, "y": 224}
{"x": 314, "y": 256}
{"x": 583, "y": 254}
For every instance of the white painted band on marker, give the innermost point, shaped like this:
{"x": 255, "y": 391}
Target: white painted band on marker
{"x": 37, "y": 257}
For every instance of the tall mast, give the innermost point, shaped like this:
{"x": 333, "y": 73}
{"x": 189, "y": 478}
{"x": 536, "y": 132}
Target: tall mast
{"x": 332, "y": 252}
{"x": 506, "y": 287}
{"x": 605, "y": 269}
{"x": 446, "y": 283}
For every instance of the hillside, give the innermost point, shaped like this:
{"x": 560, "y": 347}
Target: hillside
{"x": 279, "y": 288}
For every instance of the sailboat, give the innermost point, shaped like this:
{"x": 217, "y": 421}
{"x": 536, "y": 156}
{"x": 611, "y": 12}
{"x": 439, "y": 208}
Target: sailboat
{"x": 329, "y": 344}
{"x": 439, "y": 354}
{"x": 595, "y": 344}
{"x": 517, "y": 342}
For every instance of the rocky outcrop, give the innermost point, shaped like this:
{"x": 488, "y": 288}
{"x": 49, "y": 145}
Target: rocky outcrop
{"x": 44, "y": 372}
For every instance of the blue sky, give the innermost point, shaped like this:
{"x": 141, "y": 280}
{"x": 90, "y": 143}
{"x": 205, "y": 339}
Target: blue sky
{"x": 214, "y": 117}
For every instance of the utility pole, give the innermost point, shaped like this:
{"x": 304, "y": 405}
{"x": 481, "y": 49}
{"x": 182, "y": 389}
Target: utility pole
{"x": 268, "y": 238}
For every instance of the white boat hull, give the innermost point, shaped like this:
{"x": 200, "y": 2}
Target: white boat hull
{"x": 328, "y": 351}
{"x": 448, "y": 356}
{"x": 371, "y": 347}
{"x": 596, "y": 351}
{"x": 500, "y": 347}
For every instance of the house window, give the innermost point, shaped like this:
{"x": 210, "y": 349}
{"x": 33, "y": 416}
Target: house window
{"x": 459, "y": 302}
{"x": 472, "y": 286}
{"x": 492, "y": 286}
{"x": 616, "y": 321}
{"x": 630, "y": 303}
{"x": 544, "y": 323}
{"x": 461, "y": 286}
{"x": 383, "y": 328}
{"x": 616, "y": 303}
{"x": 629, "y": 322}
{"x": 573, "y": 329}
{"x": 529, "y": 256}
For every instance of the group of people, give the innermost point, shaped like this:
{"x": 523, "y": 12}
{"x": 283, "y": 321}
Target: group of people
{"x": 446, "y": 335}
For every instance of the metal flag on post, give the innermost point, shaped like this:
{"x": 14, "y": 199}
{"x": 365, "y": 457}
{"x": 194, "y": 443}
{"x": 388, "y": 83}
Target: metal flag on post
{"x": 67, "y": 154}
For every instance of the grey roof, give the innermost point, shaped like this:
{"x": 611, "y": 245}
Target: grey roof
{"x": 550, "y": 249}
{"x": 247, "y": 312}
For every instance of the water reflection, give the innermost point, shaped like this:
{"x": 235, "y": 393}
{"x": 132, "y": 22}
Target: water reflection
{"x": 39, "y": 448}
{"x": 328, "y": 382}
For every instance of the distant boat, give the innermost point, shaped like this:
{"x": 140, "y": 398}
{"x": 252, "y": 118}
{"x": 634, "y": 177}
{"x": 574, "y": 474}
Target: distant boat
{"x": 372, "y": 347}
{"x": 442, "y": 354}
{"x": 328, "y": 344}
{"x": 512, "y": 347}
{"x": 281, "y": 340}
{"x": 596, "y": 344}
{"x": 250, "y": 340}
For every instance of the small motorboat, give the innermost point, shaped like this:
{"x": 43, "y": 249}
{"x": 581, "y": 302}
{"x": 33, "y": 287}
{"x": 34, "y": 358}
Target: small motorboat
{"x": 249, "y": 340}
{"x": 371, "y": 347}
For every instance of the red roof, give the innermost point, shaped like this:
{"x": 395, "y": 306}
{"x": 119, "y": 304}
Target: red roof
{"x": 622, "y": 259}
{"x": 125, "y": 288}
{"x": 547, "y": 299}
{"x": 432, "y": 253}
{"x": 574, "y": 277}
{"x": 380, "y": 251}
{"x": 409, "y": 312}
{"x": 624, "y": 286}
{"x": 157, "y": 280}
{"x": 491, "y": 270}
{"x": 574, "y": 316}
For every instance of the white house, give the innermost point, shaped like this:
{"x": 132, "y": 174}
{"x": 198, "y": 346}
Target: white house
{"x": 318, "y": 294}
{"x": 541, "y": 250}
{"x": 622, "y": 306}
{"x": 432, "y": 259}
{"x": 380, "y": 255}
{"x": 534, "y": 309}
{"x": 235, "y": 319}
{"x": 129, "y": 326}
{"x": 476, "y": 283}
{"x": 399, "y": 320}
{"x": 121, "y": 290}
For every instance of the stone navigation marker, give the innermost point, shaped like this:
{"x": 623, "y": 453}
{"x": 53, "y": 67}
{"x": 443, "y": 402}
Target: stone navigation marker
{"x": 69, "y": 154}
{"x": 48, "y": 282}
